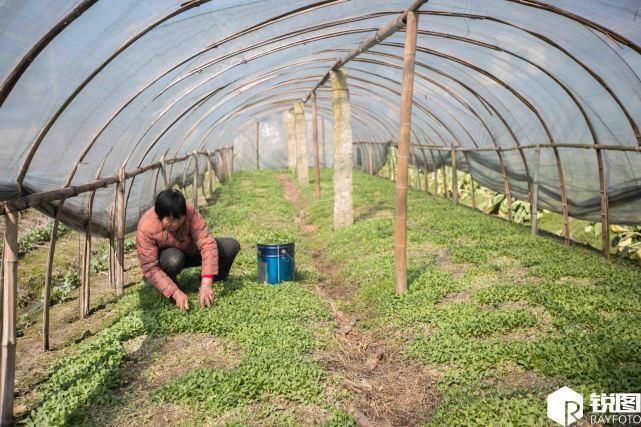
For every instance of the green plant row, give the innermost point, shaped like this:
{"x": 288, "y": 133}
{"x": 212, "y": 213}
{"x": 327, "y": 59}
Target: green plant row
{"x": 503, "y": 317}
{"x": 276, "y": 327}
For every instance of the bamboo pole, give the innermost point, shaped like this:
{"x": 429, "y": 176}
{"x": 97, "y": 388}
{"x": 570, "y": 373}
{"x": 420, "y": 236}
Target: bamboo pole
{"x": 48, "y": 276}
{"x": 534, "y": 208}
{"x": 323, "y": 136}
{"x": 121, "y": 217}
{"x": 315, "y": 143}
{"x": 257, "y": 145}
{"x": 370, "y": 160}
{"x": 9, "y": 296}
{"x": 83, "y": 297}
{"x": 605, "y": 209}
{"x": 444, "y": 182}
{"x": 400, "y": 226}
{"x": 454, "y": 177}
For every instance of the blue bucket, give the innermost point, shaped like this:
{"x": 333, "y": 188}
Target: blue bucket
{"x": 276, "y": 263}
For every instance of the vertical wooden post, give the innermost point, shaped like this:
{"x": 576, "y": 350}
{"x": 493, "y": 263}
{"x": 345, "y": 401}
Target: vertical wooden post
{"x": 48, "y": 276}
{"x": 194, "y": 186}
{"x": 400, "y": 226}
{"x": 370, "y": 159}
{"x": 534, "y": 208}
{"x": 111, "y": 276}
{"x": 323, "y": 137}
{"x": 83, "y": 297}
{"x": 444, "y": 182}
{"x": 605, "y": 208}
{"x": 9, "y": 297}
{"x": 257, "y": 145}
{"x": 121, "y": 218}
{"x": 343, "y": 149}
{"x": 454, "y": 177}
{"x": 85, "y": 291}
{"x": 315, "y": 144}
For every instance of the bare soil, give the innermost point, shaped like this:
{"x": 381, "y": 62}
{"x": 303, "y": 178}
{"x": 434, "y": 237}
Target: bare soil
{"x": 386, "y": 388}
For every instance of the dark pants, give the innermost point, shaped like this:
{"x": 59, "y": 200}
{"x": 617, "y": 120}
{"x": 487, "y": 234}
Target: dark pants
{"x": 173, "y": 260}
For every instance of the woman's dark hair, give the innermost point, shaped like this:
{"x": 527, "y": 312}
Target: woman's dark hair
{"x": 170, "y": 203}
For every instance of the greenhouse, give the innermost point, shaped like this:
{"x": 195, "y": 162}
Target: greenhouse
{"x": 434, "y": 208}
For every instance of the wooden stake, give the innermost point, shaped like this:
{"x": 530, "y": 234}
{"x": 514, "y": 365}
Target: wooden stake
{"x": 534, "y": 208}
{"x": 9, "y": 297}
{"x": 454, "y": 177}
{"x": 121, "y": 218}
{"x": 323, "y": 136}
{"x": 48, "y": 275}
{"x": 315, "y": 143}
{"x": 400, "y": 226}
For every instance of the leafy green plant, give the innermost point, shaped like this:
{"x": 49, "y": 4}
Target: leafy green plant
{"x": 36, "y": 237}
{"x": 60, "y": 291}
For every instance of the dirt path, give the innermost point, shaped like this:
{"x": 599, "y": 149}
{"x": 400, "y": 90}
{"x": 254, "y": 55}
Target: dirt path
{"x": 387, "y": 388}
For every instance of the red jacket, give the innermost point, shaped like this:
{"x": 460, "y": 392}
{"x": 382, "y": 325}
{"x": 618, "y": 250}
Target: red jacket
{"x": 192, "y": 237}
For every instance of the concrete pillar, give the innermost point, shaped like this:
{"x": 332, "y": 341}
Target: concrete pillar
{"x": 291, "y": 141}
{"x": 343, "y": 206}
{"x": 302, "y": 159}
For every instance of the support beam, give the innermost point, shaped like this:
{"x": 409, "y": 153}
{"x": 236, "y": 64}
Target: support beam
{"x": 9, "y": 297}
{"x": 343, "y": 148}
{"x": 400, "y": 226}
{"x": 121, "y": 217}
{"x": 534, "y": 208}
{"x": 454, "y": 177}
{"x": 315, "y": 136}
{"x": 302, "y": 158}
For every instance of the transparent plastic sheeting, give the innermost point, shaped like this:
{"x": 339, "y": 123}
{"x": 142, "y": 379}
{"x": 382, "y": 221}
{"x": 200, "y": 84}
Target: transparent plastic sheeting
{"x": 127, "y": 82}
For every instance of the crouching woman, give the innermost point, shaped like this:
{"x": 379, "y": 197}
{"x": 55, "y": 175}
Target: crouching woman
{"x": 173, "y": 235}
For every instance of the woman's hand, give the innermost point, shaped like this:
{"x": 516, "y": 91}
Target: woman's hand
{"x": 182, "y": 302}
{"x": 206, "y": 293}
